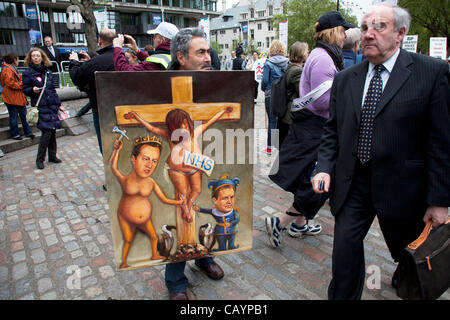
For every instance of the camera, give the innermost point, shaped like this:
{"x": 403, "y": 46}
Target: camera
{"x": 126, "y": 40}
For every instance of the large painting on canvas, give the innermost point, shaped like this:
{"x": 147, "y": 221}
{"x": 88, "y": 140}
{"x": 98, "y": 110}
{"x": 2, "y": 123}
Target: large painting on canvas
{"x": 177, "y": 150}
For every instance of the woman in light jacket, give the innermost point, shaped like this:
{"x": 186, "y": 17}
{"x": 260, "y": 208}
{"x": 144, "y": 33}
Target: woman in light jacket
{"x": 298, "y": 154}
{"x": 273, "y": 69}
{"x": 13, "y": 96}
{"x": 49, "y": 103}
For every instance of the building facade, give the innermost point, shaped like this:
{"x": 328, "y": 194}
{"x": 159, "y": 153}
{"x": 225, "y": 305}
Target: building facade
{"x": 248, "y": 22}
{"x": 133, "y": 17}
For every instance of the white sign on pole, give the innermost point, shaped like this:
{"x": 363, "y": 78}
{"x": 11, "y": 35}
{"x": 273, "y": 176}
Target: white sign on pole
{"x": 438, "y": 48}
{"x": 284, "y": 33}
{"x": 101, "y": 17}
{"x": 410, "y": 43}
{"x": 374, "y": 2}
{"x": 204, "y": 25}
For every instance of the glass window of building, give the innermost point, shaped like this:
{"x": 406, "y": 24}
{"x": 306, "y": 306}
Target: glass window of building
{"x": 79, "y": 38}
{"x": 155, "y": 2}
{"x": 8, "y": 9}
{"x": 270, "y": 10}
{"x": 166, "y": 3}
{"x": 59, "y": 17}
{"x": 252, "y": 13}
{"x": 7, "y": 37}
{"x": 142, "y": 1}
{"x": 252, "y": 34}
{"x": 44, "y": 16}
{"x": 176, "y": 3}
{"x": 270, "y": 26}
{"x": 261, "y": 14}
{"x": 259, "y": 26}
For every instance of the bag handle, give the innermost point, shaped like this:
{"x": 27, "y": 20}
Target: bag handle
{"x": 423, "y": 236}
{"x": 43, "y": 89}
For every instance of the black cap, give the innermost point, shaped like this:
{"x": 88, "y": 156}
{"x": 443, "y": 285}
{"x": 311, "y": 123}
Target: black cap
{"x": 333, "y": 19}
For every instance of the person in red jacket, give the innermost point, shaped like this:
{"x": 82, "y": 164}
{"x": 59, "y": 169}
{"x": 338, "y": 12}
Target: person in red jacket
{"x": 158, "y": 60}
{"x": 13, "y": 97}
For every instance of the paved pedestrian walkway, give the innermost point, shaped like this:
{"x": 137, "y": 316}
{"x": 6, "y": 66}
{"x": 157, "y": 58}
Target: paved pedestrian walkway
{"x": 54, "y": 226}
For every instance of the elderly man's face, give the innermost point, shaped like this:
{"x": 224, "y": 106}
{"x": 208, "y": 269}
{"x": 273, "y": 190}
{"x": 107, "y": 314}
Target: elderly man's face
{"x": 379, "y": 39}
{"x": 48, "y": 41}
{"x": 198, "y": 56}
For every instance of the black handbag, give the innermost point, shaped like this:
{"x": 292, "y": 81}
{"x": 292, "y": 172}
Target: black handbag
{"x": 424, "y": 265}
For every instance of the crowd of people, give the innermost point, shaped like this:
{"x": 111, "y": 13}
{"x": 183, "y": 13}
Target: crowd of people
{"x": 366, "y": 128}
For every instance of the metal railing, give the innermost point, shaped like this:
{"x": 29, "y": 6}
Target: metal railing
{"x": 60, "y": 74}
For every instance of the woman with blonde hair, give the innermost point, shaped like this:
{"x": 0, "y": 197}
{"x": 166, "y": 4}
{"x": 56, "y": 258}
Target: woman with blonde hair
{"x": 38, "y": 84}
{"x": 298, "y": 154}
{"x": 13, "y": 97}
{"x": 273, "y": 69}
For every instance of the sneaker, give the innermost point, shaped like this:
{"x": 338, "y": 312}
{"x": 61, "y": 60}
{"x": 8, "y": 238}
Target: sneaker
{"x": 296, "y": 231}
{"x": 274, "y": 231}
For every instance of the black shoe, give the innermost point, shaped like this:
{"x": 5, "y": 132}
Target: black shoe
{"x": 18, "y": 138}
{"x": 55, "y": 160}
{"x": 213, "y": 271}
{"x": 40, "y": 165}
{"x": 31, "y": 136}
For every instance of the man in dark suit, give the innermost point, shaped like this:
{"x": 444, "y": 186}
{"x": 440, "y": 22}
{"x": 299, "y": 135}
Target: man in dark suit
{"x": 385, "y": 148}
{"x": 52, "y": 52}
{"x": 54, "y": 55}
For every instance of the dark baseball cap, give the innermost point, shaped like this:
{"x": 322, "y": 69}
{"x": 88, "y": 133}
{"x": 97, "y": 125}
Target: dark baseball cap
{"x": 333, "y": 19}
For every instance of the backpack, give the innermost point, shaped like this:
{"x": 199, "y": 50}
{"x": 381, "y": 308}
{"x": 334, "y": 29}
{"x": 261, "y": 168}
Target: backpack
{"x": 278, "y": 97}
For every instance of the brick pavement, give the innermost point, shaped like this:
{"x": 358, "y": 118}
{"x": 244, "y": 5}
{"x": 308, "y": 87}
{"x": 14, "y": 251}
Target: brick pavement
{"x": 54, "y": 227}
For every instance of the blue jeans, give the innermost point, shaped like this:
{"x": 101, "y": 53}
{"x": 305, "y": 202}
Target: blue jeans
{"x": 175, "y": 278}
{"x": 97, "y": 128}
{"x": 272, "y": 122}
{"x": 14, "y": 113}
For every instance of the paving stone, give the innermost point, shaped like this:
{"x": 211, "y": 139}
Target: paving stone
{"x": 20, "y": 270}
{"x": 44, "y": 285}
{"x": 38, "y": 256}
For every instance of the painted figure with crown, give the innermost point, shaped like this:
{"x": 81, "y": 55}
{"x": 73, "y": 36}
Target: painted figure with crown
{"x": 226, "y": 215}
{"x": 135, "y": 209}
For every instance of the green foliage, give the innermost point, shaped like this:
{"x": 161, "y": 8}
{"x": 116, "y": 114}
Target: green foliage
{"x": 216, "y": 46}
{"x": 429, "y": 19}
{"x": 303, "y": 14}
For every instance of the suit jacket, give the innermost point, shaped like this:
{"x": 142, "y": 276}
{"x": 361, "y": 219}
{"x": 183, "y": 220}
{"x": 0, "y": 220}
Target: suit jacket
{"x": 411, "y": 137}
{"x": 57, "y": 57}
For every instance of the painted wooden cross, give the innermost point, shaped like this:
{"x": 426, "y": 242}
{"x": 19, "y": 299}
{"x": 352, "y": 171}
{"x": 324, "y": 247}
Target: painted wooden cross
{"x": 182, "y": 98}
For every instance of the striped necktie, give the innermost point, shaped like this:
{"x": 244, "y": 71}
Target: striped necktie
{"x": 368, "y": 113}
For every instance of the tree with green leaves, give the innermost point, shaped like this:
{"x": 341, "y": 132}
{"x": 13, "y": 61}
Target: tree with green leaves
{"x": 216, "y": 46}
{"x": 303, "y": 14}
{"x": 429, "y": 19}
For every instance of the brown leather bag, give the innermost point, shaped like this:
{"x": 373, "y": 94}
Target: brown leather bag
{"x": 424, "y": 267}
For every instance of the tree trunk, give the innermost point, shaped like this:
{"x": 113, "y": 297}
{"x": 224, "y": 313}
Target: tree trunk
{"x": 90, "y": 23}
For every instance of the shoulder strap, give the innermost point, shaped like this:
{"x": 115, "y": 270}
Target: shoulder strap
{"x": 301, "y": 103}
{"x": 42, "y": 91}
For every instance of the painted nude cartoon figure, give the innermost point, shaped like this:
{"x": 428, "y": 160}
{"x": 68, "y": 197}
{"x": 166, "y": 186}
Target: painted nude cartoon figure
{"x": 181, "y": 135}
{"x": 135, "y": 209}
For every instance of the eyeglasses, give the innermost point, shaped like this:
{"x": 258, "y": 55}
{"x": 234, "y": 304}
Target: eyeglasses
{"x": 377, "y": 26}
